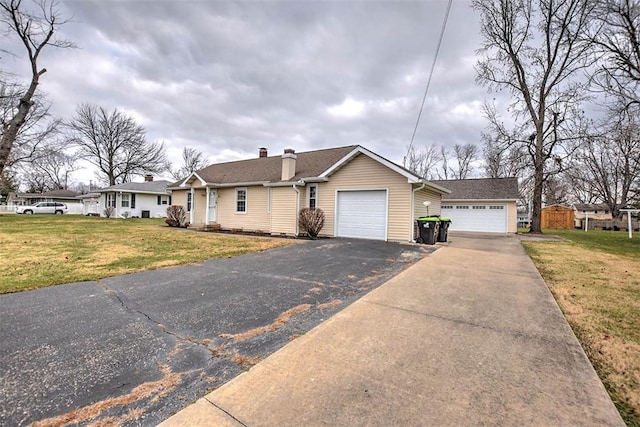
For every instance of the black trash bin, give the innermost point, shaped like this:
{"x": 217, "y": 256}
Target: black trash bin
{"x": 443, "y": 231}
{"x": 428, "y": 227}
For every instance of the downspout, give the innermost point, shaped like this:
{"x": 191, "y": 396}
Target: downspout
{"x": 193, "y": 205}
{"x": 412, "y": 237}
{"x": 297, "y": 208}
{"x": 206, "y": 210}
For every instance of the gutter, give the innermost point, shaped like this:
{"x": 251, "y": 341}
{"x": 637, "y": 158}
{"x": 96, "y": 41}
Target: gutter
{"x": 297, "y": 208}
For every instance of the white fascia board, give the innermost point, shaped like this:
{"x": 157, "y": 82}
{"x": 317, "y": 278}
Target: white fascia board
{"x": 189, "y": 178}
{"x": 411, "y": 178}
{"x": 284, "y": 183}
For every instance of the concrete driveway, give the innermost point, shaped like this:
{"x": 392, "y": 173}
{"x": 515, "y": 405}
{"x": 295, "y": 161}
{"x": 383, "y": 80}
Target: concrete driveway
{"x": 134, "y": 349}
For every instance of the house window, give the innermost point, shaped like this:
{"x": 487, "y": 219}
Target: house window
{"x": 313, "y": 196}
{"x": 189, "y": 202}
{"x": 163, "y": 200}
{"x": 462, "y": 207}
{"x": 111, "y": 200}
{"x": 241, "y": 200}
{"x": 124, "y": 200}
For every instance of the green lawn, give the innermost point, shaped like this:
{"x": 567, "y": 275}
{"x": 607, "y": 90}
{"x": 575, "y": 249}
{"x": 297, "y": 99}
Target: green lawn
{"x": 595, "y": 278}
{"x": 43, "y": 250}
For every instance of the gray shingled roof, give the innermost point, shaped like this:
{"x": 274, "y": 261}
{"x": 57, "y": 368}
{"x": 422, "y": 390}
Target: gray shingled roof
{"x": 269, "y": 169}
{"x": 480, "y": 189}
{"x": 152, "y": 187}
{"x": 60, "y": 194}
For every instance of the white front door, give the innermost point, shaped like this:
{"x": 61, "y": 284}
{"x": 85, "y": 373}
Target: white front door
{"x": 213, "y": 203}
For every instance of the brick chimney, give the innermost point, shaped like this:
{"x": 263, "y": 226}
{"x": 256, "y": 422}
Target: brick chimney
{"x": 148, "y": 178}
{"x": 288, "y": 164}
{"x": 262, "y": 152}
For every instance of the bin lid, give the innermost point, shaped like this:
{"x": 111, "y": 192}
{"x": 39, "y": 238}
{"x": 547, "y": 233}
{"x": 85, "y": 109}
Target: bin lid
{"x": 445, "y": 219}
{"x": 429, "y": 219}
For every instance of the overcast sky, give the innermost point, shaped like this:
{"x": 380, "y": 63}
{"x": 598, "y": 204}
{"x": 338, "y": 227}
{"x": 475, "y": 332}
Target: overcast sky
{"x": 227, "y": 78}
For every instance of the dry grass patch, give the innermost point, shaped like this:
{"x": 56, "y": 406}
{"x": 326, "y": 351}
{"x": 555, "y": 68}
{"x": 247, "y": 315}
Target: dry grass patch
{"x": 599, "y": 293}
{"x": 43, "y": 250}
{"x": 277, "y": 324}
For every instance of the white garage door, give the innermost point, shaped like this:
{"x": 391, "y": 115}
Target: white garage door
{"x": 362, "y": 214}
{"x": 477, "y": 217}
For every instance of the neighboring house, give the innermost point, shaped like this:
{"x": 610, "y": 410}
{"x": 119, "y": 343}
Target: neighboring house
{"x": 149, "y": 199}
{"x": 594, "y": 211}
{"x": 68, "y": 197}
{"x": 524, "y": 219}
{"x": 484, "y": 205}
{"x": 362, "y": 194}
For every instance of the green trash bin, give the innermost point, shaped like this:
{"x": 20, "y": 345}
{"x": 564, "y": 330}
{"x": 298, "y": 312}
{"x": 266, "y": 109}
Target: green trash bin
{"x": 428, "y": 227}
{"x": 443, "y": 231}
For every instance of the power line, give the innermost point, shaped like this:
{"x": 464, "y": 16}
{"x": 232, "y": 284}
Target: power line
{"x": 426, "y": 90}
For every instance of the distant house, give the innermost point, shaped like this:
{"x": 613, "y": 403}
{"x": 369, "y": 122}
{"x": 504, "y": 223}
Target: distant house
{"x": 484, "y": 204}
{"x": 90, "y": 203}
{"x": 594, "y": 211}
{"x": 524, "y": 218}
{"x": 68, "y": 197}
{"x": 149, "y": 199}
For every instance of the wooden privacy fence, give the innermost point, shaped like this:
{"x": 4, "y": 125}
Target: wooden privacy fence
{"x": 557, "y": 216}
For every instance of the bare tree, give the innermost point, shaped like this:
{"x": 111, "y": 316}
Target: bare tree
{"x": 618, "y": 43}
{"x": 115, "y": 144}
{"x": 611, "y": 162}
{"x": 465, "y": 156}
{"x": 423, "y": 161}
{"x": 35, "y": 30}
{"x": 50, "y": 169}
{"x": 503, "y": 160}
{"x": 192, "y": 160}
{"x": 443, "y": 172}
{"x": 535, "y": 49}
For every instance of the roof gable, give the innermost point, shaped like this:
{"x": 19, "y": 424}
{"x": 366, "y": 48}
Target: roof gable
{"x": 480, "y": 189}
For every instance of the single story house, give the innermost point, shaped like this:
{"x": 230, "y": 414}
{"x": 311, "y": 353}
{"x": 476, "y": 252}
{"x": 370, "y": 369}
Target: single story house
{"x": 68, "y": 197}
{"x": 148, "y": 199}
{"x": 362, "y": 194}
{"x": 483, "y": 205}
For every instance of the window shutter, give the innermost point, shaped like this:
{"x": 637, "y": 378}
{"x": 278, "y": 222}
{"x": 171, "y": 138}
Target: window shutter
{"x": 133, "y": 200}
{"x": 169, "y": 200}
{"x": 159, "y": 200}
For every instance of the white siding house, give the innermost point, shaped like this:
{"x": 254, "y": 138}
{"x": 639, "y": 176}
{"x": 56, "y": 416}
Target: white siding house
{"x": 149, "y": 199}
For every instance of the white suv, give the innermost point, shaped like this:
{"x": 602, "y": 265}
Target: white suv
{"x": 43, "y": 208}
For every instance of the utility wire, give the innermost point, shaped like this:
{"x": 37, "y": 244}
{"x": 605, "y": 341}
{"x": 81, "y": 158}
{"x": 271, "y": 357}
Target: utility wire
{"x": 426, "y": 90}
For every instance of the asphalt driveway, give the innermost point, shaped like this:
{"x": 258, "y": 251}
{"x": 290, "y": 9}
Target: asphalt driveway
{"x": 134, "y": 349}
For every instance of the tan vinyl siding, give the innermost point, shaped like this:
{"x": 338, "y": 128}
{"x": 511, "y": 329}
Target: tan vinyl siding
{"x": 256, "y": 217}
{"x": 179, "y": 197}
{"x": 419, "y": 209}
{"x": 512, "y": 217}
{"x": 284, "y": 210}
{"x": 363, "y": 173}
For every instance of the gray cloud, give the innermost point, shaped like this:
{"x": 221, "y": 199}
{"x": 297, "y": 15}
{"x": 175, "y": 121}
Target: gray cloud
{"x": 228, "y": 77}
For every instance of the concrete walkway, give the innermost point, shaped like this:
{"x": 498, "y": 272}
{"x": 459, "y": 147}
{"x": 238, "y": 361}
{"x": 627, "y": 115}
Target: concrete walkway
{"x": 470, "y": 335}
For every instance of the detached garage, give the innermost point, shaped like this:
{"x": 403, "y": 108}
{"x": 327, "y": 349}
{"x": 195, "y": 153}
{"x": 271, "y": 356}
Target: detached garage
{"x": 481, "y": 205}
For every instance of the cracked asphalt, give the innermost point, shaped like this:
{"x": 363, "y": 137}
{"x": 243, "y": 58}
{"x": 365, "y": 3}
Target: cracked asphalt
{"x": 134, "y": 349}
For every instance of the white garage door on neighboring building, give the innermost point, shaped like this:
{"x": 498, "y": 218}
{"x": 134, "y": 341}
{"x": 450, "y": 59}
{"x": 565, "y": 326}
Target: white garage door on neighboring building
{"x": 476, "y": 217}
{"x": 362, "y": 214}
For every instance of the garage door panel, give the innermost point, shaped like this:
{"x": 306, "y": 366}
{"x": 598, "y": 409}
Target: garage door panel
{"x": 362, "y": 214}
{"x": 477, "y": 217}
